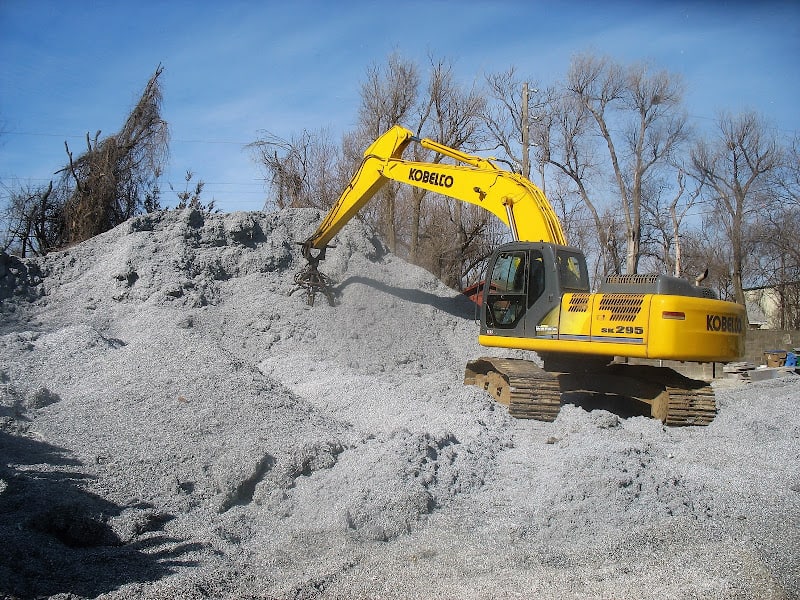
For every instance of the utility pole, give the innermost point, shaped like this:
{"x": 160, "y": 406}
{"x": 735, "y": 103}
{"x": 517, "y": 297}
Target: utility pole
{"x": 526, "y": 131}
{"x": 526, "y": 164}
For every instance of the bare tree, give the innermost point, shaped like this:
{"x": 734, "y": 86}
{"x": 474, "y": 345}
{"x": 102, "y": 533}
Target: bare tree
{"x": 778, "y": 264}
{"x": 302, "y": 171}
{"x": 665, "y": 220}
{"x": 458, "y": 260}
{"x": 677, "y": 212}
{"x": 452, "y": 116}
{"x": 735, "y": 168}
{"x": 789, "y": 181}
{"x": 33, "y": 219}
{"x": 705, "y": 249}
{"x": 190, "y": 197}
{"x": 437, "y": 232}
{"x": 282, "y": 161}
{"x": 522, "y": 116}
{"x": 111, "y": 179}
{"x": 777, "y": 240}
{"x": 576, "y": 220}
{"x": 507, "y": 114}
{"x": 388, "y": 97}
{"x": 643, "y": 107}
{"x": 566, "y": 141}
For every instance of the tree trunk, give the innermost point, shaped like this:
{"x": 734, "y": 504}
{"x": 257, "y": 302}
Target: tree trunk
{"x": 417, "y": 195}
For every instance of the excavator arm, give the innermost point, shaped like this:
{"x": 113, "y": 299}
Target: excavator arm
{"x": 510, "y": 197}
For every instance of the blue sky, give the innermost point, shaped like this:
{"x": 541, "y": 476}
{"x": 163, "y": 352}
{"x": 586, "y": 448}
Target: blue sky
{"x": 233, "y": 69}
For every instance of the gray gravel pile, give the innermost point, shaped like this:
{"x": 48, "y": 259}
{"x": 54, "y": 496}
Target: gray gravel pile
{"x": 176, "y": 423}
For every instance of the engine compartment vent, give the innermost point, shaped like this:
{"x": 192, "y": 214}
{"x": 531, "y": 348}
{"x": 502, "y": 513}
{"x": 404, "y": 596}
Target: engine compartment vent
{"x": 653, "y": 283}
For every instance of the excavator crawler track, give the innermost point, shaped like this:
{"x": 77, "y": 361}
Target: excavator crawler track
{"x": 683, "y": 401}
{"x": 691, "y": 407}
{"x": 528, "y": 391}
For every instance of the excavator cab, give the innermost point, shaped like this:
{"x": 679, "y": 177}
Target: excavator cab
{"x": 526, "y": 282}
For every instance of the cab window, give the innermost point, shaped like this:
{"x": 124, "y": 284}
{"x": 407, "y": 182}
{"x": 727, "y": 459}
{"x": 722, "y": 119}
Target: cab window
{"x": 572, "y": 272}
{"x": 507, "y": 294}
{"x": 536, "y": 277}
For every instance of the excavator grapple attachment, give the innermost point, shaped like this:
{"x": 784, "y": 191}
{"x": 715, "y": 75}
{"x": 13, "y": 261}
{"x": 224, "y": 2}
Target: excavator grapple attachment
{"x": 312, "y": 280}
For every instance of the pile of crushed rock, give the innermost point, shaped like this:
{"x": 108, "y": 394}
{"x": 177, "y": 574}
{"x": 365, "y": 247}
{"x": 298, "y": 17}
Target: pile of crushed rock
{"x": 177, "y": 422}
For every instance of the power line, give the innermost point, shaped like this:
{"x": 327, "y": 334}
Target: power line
{"x": 82, "y": 136}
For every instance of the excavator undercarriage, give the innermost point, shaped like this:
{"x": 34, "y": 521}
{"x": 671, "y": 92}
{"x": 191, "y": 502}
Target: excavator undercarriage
{"x": 530, "y": 392}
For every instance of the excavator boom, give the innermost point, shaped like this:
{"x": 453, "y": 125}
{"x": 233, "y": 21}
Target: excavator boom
{"x": 510, "y": 197}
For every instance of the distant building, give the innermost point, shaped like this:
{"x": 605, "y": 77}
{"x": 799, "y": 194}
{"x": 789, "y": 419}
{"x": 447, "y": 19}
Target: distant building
{"x": 773, "y": 307}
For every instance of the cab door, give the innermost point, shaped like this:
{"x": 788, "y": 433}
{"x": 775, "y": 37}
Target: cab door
{"x": 506, "y": 294}
{"x": 544, "y": 295}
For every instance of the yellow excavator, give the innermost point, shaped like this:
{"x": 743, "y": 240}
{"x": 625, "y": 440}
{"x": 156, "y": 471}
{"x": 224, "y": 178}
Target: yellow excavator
{"x": 537, "y": 297}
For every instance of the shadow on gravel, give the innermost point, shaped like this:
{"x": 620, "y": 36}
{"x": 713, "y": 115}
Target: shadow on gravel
{"x": 458, "y": 307}
{"x": 57, "y": 537}
{"x": 621, "y": 406}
